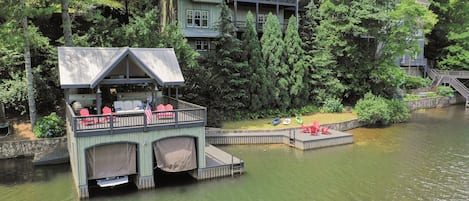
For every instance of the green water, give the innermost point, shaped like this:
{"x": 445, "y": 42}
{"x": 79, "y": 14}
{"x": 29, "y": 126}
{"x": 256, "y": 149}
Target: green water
{"x": 424, "y": 159}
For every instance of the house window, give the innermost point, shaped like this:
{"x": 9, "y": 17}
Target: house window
{"x": 261, "y": 18}
{"x": 197, "y": 18}
{"x": 202, "y": 45}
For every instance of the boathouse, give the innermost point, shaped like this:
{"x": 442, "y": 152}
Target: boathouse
{"x": 119, "y": 121}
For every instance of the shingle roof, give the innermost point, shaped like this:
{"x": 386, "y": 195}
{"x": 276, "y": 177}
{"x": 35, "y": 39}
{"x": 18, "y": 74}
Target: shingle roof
{"x": 85, "y": 67}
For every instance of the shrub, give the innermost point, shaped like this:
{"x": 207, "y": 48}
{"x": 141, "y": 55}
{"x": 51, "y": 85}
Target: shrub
{"x": 399, "y": 111}
{"x": 49, "y": 126}
{"x": 332, "y": 105}
{"x": 445, "y": 91}
{"x": 376, "y": 110}
{"x": 414, "y": 82}
{"x": 373, "y": 110}
{"x": 309, "y": 109}
{"x": 431, "y": 94}
{"x": 411, "y": 97}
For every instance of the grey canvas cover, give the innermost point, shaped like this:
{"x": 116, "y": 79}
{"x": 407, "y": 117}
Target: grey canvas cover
{"x": 176, "y": 154}
{"x": 111, "y": 160}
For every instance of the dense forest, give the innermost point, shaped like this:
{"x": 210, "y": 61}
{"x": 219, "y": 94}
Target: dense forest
{"x": 339, "y": 51}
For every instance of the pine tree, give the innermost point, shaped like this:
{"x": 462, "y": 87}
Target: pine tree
{"x": 273, "y": 55}
{"x": 228, "y": 65}
{"x": 256, "y": 71}
{"x": 297, "y": 68}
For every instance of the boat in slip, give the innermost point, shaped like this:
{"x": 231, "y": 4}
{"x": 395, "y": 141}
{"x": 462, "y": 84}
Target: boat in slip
{"x": 112, "y": 181}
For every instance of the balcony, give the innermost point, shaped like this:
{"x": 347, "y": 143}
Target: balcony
{"x": 240, "y": 25}
{"x": 271, "y": 2}
{"x": 184, "y": 115}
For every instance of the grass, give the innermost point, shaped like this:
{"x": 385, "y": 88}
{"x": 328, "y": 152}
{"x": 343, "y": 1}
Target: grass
{"x": 261, "y": 124}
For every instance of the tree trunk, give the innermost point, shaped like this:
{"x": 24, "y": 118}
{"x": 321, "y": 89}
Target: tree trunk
{"x": 29, "y": 73}
{"x": 66, "y": 24}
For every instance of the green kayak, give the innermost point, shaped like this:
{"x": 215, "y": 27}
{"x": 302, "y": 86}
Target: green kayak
{"x": 299, "y": 120}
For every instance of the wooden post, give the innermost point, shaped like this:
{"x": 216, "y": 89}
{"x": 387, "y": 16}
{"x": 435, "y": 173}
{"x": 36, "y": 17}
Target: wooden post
{"x": 257, "y": 16}
{"x": 98, "y": 100}
{"x": 2, "y": 110}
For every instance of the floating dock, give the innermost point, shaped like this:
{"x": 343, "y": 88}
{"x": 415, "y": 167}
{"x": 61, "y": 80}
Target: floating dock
{"x": 293, "y": 137}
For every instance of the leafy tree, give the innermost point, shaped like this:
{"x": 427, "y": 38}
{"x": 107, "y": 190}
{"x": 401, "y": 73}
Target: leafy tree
{"x": 355, "y": 44}
{"x": 143, "y": 31}
{"x": 454, "y": 55}
{"x": 256, "y": 70}
{"x": 297, "y": 68}
{"x": 274, "y": 58}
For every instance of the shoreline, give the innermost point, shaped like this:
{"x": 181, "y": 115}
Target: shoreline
{"x": 24, "y": 147}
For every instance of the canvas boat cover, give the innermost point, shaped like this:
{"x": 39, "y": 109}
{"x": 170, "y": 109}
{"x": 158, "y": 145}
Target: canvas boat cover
{"x": 176, "y": 154}
{"x": 111, "y": 160}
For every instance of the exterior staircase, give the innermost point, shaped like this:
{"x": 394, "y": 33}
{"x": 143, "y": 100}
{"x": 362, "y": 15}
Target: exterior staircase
{"x": 450, "y": 77}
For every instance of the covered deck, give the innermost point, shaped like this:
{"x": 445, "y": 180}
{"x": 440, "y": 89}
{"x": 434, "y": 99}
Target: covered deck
{"x": 183, "y": 115}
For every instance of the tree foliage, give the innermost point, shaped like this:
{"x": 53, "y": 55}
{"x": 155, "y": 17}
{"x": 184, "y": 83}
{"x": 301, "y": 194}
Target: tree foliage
{"x": 355, "y": 44}
{"x": 298, "y": 72}
{"x": 256, "y": 89}
{"x": 274, "y": 58}
{"x": 451, "y": 35}
{"x": 229, "y": 65}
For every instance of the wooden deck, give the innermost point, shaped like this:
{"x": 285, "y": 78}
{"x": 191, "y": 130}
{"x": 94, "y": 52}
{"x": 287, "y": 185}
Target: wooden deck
{"x": 219, "y": 164}
{"x": 292, "y": 137}
{"x": 134, "y": 122}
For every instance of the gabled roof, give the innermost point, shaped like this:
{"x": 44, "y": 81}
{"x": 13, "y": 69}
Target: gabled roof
{"x": 86, "y": 67}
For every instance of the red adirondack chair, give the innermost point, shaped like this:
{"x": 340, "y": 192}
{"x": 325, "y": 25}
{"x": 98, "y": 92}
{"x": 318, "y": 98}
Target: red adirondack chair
{"x": 305, "y": 129}
{"x": 108, "y": 111}
{"x": 325, "y": 130}
{"x": 315, "y": 128}
{"x": 86, "y": 121}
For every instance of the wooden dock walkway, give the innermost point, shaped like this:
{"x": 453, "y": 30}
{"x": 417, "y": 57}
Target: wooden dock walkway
{"x": 292, "y": 137}
{"x": 219, "y": 164}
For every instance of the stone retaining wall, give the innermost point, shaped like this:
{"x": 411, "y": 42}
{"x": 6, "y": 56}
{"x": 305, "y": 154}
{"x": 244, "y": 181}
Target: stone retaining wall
{"x": 438, "y": 102}
{"x": 13, "y": 149}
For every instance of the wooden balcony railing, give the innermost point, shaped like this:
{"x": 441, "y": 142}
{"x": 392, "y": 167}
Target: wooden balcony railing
{"x": 272, "y": 2}
{"x": 184, "y": 115}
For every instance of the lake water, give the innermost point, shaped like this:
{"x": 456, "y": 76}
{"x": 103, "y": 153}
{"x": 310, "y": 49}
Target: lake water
{"x": 424, "y": 159}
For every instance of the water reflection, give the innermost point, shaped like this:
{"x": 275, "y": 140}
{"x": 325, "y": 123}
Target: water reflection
{"x": 21, "y": 170}
{"x": 426, "y": 158}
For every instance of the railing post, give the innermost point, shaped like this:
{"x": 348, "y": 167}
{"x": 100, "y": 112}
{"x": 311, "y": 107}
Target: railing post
{"x": 144, "y": 122}
{"x": 111, "y": 123}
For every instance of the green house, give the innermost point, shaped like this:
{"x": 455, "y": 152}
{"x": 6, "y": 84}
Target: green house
{"x": 199, "y": 18}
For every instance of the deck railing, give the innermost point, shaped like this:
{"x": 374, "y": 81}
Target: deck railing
{"x": 184, "y": 115}
{"x": 272, "y": 2}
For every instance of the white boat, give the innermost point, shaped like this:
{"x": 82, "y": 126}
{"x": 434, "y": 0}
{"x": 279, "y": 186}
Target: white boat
{"x": 112, "y": 181}
{"x": 287, "y": 121}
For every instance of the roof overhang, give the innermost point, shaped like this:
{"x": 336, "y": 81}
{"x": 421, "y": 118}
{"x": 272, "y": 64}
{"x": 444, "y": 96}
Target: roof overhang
{"x": 85, "y": 67}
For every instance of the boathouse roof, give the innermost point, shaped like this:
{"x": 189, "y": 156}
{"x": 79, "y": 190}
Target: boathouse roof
{"x": 86, "y": 67}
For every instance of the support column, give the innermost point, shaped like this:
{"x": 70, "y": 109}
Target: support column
{"x": 235, "y": 13}
{"x": 277, "y": 9}
{"x": 155, "y": 96}
{"x": 296, "y": 13}
{"x": 145, "y": 176}
{"x": 257, "y": 16}
{"x": 98, "y": 100}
